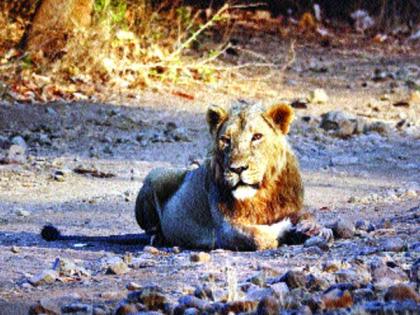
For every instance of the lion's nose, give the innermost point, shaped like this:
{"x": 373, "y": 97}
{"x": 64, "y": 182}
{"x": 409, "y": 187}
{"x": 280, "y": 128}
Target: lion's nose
{"x": 238, "y": 169}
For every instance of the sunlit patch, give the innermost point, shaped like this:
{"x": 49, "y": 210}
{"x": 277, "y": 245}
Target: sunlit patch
{"x": 244, "y": 192}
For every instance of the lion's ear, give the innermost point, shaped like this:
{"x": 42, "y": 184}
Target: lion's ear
{"x": 282, "y": 116}
{"x": 216, "y": 115}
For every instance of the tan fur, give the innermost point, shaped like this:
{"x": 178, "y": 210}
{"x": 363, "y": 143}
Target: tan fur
{"x": 244, "y": 197}
{"x": 53, "y": 23}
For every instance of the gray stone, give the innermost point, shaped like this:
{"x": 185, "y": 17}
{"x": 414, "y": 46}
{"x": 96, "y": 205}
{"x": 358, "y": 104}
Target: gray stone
{"x": 44, "y": 277}
{"x": 341, "y": 124}
{"x": 316, "y": 241}
{"x": 77, "y": 308}
{"x": 201, "y": 257}
{"x": 318, "y": 96}
{"x": 281, "y": 290}
{"x": 294, "y": 279}
{"x": 394, "y": 244}
{"x": 117, "y": 266}
{"x": 204, "y": 292}
{"x": 22, "y": 213}
{"x": 379, "y": 127}
{"x": 192, "y": 301}
{"x": 18, "y": 140}
{"x": 343, "y": 228}
{"x": 16, "y": 154}
{"x": 384, "y": 276}
{"x": 258, "y": 294}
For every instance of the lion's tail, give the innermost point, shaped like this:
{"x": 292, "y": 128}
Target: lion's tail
{"x": 50, "y": 233}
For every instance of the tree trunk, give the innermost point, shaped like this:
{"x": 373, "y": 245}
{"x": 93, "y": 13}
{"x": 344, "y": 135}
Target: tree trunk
{"x": 53, "y": 23}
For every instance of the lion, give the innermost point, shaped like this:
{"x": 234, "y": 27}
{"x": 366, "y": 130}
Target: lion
{"x": 247, "y": 195}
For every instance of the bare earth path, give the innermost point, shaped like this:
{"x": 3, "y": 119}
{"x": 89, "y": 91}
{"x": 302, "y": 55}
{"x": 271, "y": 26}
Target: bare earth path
{"x": 370, "y": 176}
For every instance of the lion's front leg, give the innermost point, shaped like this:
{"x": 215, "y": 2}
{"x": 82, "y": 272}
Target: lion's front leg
{"x": 253, "y": 237}
{"x": 310, "y": 227}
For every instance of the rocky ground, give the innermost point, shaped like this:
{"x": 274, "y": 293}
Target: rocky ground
{"x": 80, "y": 165}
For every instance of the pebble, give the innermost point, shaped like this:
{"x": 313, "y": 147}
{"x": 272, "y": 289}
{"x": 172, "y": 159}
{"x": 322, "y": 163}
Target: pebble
{"x": 343, "y": 228}
{"x": 318, "y": 96}
{"x": 68, "y": 268}
{"x": 268, "y": 306}
{"x": 15, "y": 249}
{"x": 204, "y": 292}
{"x": 44, "y": 277}
{"x": 362, "y": 295}
{"x": 341, "y": 124}
{"x": 133, "y": 286}
{"x": 152, "y": 297}
{"x": 201, "y": 257}
{"x": 151, "y": 250}
{"x": 337, "y": 299}
{"x": 316, "y": 241}
{"x": 384, "y": 276}
{"x": 294, "y": 279}
{"x": 401, "y": 292}
{"x": 192, "y": 301}
{"x": 364, "y": 225}
{"x": 379, "y": 127}
{"x": 78, "y": 308}
{"x": 117, "y": 266}
{"x": 16, "y": 154}
{"x": 394, "y": 244}
{"x": 22, "y": 213}
{"x": 236, "y": 307}
{"x": 281, "y": 290}
{"x": 19, "y": 141}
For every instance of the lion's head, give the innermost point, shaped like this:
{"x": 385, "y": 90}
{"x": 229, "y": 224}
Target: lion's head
{"x": 249, "y": 146}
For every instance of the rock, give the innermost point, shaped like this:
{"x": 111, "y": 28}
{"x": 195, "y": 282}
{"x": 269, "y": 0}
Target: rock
{"x": 401, "y": 292}
{"x": 337, "y": 299}
{"x": 281, "y": 290}
{"x": 258, "y": 279}
{"x": 204, "y": 292}
{"x": 192, "y": 301}
{"x": 318, "y": 96}
{"x": 357, "y": 277}
{"x": 341, "y": 124}
{"x": 379, "y": 127}
{"x": 151, "y": 250}
{"x": 19, "y": 141}
{"x": 239, "y": 307}
{"x": 200, "y": 257}
{"x": 4, "y": 142}
{"x": 384, "y": 276}
{"x": 362, "y": 295}
{"x": 191, "y": 311}
{"x": 414, "y": 98}
{"x": 111, "y": 295}
{"x": 16, "y": 154}
{"x": 316, "y": 241}
{"x": 344, "y": 160}
{"x": 392, "y": 307}
{"x": 133, "y": 286}
{"x": 68, "y": 268}
{"x": 45, "y": 306}
{"x": 15, "y": 249}
{"x": 22, "y": 213}
{"x": 343, "y": 228}
{"x": 294, "y": 279}
{"x": 61, "y": 174}
{"x": 78, "y": 308}
{"x": 126, "y": 309}
{"x": 117, "y": 266}
{"x": 258, "y": 294}
{"x": 268, "y": 306}
{"x": 415, "y": 272}
{"x": 395, "y": 244}
{"x": 45, "y": 277}
{"x": 364, "y": 225}
{"x": 316, "y": 283}
{"x": 152, "y": 297}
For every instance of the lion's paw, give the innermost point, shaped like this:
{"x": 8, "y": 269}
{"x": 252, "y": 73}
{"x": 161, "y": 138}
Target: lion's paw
{"x": 327, "y": 234}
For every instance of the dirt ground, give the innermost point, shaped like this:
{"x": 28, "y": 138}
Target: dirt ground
{"x": 369, "y": 176}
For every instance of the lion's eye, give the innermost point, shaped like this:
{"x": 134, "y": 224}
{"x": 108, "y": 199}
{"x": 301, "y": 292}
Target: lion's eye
{"x": 257, "y": 136}
{"x": 225, "y": 140}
